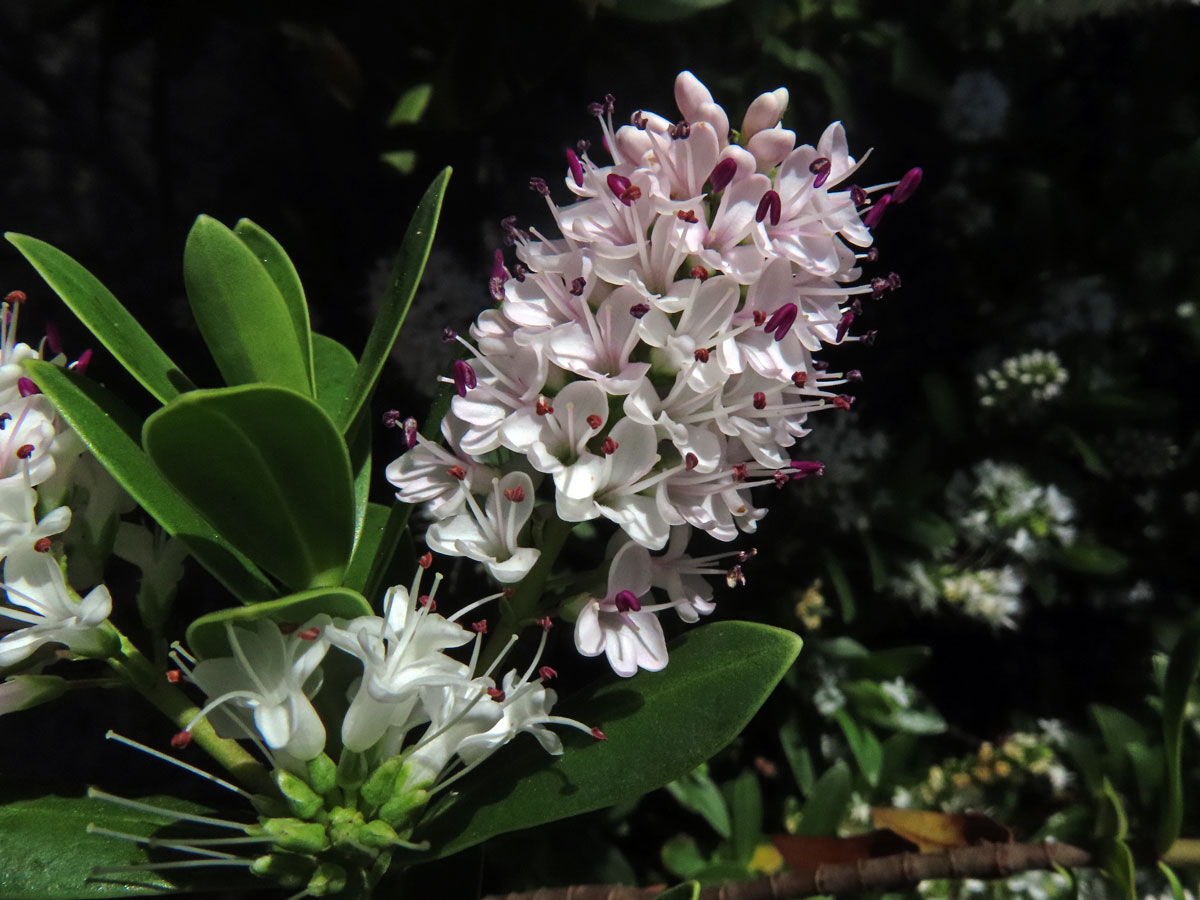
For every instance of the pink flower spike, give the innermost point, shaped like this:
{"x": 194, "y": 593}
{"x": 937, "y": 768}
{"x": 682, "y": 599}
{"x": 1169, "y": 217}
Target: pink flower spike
{"x": 722, "y": 174}
{"x": 27, "y": 387}
{"x": 875, "y": 214}
{"x": 908, "y": 185}
{"x": 576, "y": 168}
{"x": 464, "y": 377}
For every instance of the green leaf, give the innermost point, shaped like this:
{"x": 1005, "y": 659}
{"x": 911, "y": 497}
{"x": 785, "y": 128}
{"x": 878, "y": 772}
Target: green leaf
{"x": 108, "y": 428}
{"x": 411, "y": 106}
{"x": 744, "y": 798}
{"x": 660, "y": 726}
{"x": 864, "y": 745}
{"x": 798, "y": 757}
{"x": 841, "y": 585}
{"x": 406, "y": 275}
{"x": 268, "y": 469}
{"x": 49, "y": 855}
{"x": 207, "y": 636}
{"x": 279, "y": 266}
{"x": 689, "y": 890}
{"x": 1119, "y": 732}
{"x": 244, "y": 319}
{"x": 1181, "y": 672}
{"x": 1177, "y": 892}
{"x": 682, "y": 857}
{"x": 1118, "y": 865}
{"x": 1090, "y": 558}
{"x": 334, "y": 366}
{"x": 827, "y": 803}
{"x": 106, "y": 318}
{"x": 1148, "y": 767}
{"x": 697, "y": 792}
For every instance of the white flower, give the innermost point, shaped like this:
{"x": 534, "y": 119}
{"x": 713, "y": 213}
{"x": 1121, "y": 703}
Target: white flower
{"x": 271, "y": 675}
{"x": 38, "y": 597}
{"x": 618, "y": 626}
{"x": 18, "y": 527}
{"x": 431, "y": 475}
{"x": 490, "y": 535}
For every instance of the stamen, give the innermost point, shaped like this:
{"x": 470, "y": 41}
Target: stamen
{"x": 844, "y": 324}
{"x": 594, "y": 421}
{"x": 158, "y": 754}
{"x": 26, "y": 387}
{"x": 908, "y": 185}
{"x": 543, "y": 407}
{"x": 426, "y": 560}
{"x": 577, "y": 286}
{"x": 538, "y": 185}
{"x": 639, "y": 309}
{"x": 722, "y": 174}
{"x": 687, "y": 215}
{"x": 609, "y": 447}
{"x": 464, "y": 377}
{"x": 821, "y": 168}
{"x": 875, "y": 214}
{"x": 781, "y": 320}
{"x": 516, "y": 493}
{"x": 771, "y": 205}
{"x": 627, "y": 601}
{"x": 576, "y": 168}
{"x": 410, "y": 432}
{"x": 97, "y": 794}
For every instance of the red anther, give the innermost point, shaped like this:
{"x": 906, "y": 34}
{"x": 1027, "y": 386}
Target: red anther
{"x": 781, "y": 479}
{"x": 799, "y": 379}
{"x": 448, "y": 335}
{"x": 288, "y": 627}
{"x": 872, "y": 254}
{"x": 457, "y": 472}
{"x": 25, "y": 451}
{"x": 5, "y": 418}
{"x": 821, "y": 168}
{"x": 174, "y": 676}
{"x": 908, "y": 185}
{"x": 26, "y": 387}
{"x": 464, "y": 377}
{"x": 735, "y": 577}
{"x": 576, "y": 168}
{"x": 701, "y": 355}
{"x": 739, "y": 472}
{"x": 609, "y": 447}
{"x": 759, "y": 318}
{"x": 479, "y": 627}
{"x": 410, "y": 432}
{"x": 769, "y": 206}
{"x": 309, "y": 634}
{"x": 681, "y": 130}
{"x": 627, "y": 601}
{"x": 843, "y": 401}
{"x": 542, "y": 407}
{"x": 42, "y": 545}
{"x": 428, "y": 602}
{"x": 687, "y": 215}
{"x": 538, "y": 185}
{"x": 544, "y": 623}
{"x": 690, "y": 461}
{"x": 496, "y": 694}
{"x": 619, "y": 185}
{"x": 391, "y": 418}
{"x": 15, "y": 297}
{"x": 546, "y": 673}
{"x": 425, "y": 561}
{"x": 181, "y": 739}
{"x": 875, "y": 214}
{"x": 577, "y": 286}
{"x": 639, "y": 309}
{"x": 598, "y": 734}
{"x": 760, "y": 400}
{"x": 722, "y": 174}
{"x": 631, "y": 193}
{"x": 594, "y": 421}
{"x": 516, "y": 493}
{"x": 844, "y": 324}
{"x": 638, "y": 120}
{"x": 893, "y": 281}
{"x": 700, "y": 272}
{"x": 854, "y": 375}
{"x": 857, "y": 195}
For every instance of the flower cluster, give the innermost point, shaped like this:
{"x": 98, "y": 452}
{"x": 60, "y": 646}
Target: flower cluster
{"x": 1002, "y": 504}
{"x": 655, "y": 362}
{"x": 992, "y": 595}
{"x": 37, "y": 451}
{"x": 1030, "y": 379}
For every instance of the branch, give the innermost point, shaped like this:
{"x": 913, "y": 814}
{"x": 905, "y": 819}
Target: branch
{"x": 881, "y": 873}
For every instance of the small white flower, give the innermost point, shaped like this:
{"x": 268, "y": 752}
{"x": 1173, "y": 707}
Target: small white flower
{"x": 18, "y": 527}
{"x": 490, "y": 535}
{"x": 618, "y": 625}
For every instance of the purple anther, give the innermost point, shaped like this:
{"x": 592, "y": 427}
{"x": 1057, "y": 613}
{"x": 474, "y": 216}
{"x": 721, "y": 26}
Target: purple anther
{"x": 722, "y": 174}
{"x": 27, "y": 387}
{"x": 81, "y": 365}
{"x": 577, "y": 286}
{"x": 875, "y": 214}
{"x": 908, "y": 185}
{"x": 511, "y": 233}
{"x": 781, "y": 321}
{"x": 769, "y": 205}
{"x": 639, "y": 309}
{"x": 856, "y": 306}
{"x": 499, "y": 276}
{"x": 844, "y": 324}
{"x": 872, "y": 254}
{"x": 582, "y": 146}
{"x": 410, "y": 432}
{"x": 619, "y": 185}
{"x": 820, "y": 365}
{"x": 879, "y": 287}
{"x": 681, "y": 130}
{"x": 610, "y": 103}
{"x": 820, "y": 167}
{"x": 854, "y": 375}
{"x": 539, "y": 186}
{"x": 893, "y": 281}
{"x": 857, "y": 195}
{"x": 595, "y": 109}
{"x": 464, "y": 377}
{"x": 869, "y": 338}
{"x": 802, "y": 468}
{"x": 449, "y": 335}
{"x": 53, "y": 341}
{"x": 391, "y": 418}
{"x": 518, "y": 271}
{"x": 576, "y": 168}
{"x": 627, "y": 601}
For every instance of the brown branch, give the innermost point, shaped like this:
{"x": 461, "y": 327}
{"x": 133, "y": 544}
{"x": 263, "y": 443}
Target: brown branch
{"x": 881, "y": 873}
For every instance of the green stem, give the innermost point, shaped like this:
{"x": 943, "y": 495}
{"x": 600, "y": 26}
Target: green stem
{"x": 523, "y": 606}
{"x": 152, "y": 684}
{"x": 1184, "y": 852}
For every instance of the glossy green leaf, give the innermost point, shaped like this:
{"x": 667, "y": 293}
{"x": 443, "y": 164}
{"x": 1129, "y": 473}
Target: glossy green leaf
{"x": 660, "y": 726}
{"x": 265, "y": 466}
{"x": 207, "y": 636}
{"x": 1181, "y": 672}
{"x": 1119, "y": 731}
{"x": 244, "y": 319}
{"x": 411, "y": 106}
{"x": 367, "y": 546}
{"x": 826, "y": 804}
{"x": 334, "y": 372}
{"x": 279, "y": 266}
{"x": 1173, "y": 882}
{"x": 689, "y": 890}
{"x": 109, "y": 430}
{"x": 406, "y": 275}
{"x": 48, "y": 853}
{"x": 681, "y": 855}
{"x": 863, "y": 744}
{"x": 798, "y": 756}
{"x": 697, "y": 792}
{"x": 744, "y": 798}
{"x": 106, "y": 318}
{"x": 1118, "y": 864}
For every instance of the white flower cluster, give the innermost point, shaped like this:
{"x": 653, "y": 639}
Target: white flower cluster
{"x": 264, "y": 689}
{"x": 1031, "y": 378}
{"x": 37, "y": 449}
{"x": 656, "y": 360}
{"x": 1001, "y": 503}
{"x": 992, "y": 595}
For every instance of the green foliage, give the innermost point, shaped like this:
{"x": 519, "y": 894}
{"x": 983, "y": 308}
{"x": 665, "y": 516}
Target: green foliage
{"x": 688, "y": 890}
{"x": 1181, "y": 673}
{"x": 826, "y": 804}
{"x": 697, "y": 792}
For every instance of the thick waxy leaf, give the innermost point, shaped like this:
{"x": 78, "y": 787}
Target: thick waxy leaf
{"x": 48, "y": 853}
{"x": 1181, "y": 672}
{"x": 660, "y": 725}
{"x": 864, "y": 745}
{"x": 335, "y": 366}
{"x": 697, "y": 792}
{"x": 109, "y": 428}
{"x": 246, "y": 323}
{"x": 826, "y": 804}
{"x": 283, "y": 273}
{"x": 406, "y": 275}
{"x": 106, "y": 318}
{"x": 268, "y": 469}
{"x": 207, "y": 636}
